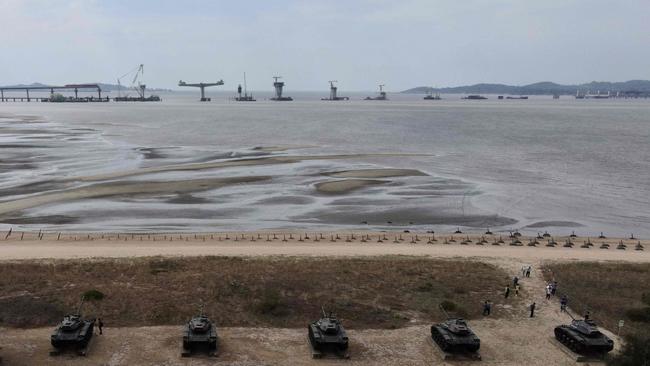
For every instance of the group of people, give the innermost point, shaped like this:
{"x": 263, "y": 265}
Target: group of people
{"x": 551, "y": 288}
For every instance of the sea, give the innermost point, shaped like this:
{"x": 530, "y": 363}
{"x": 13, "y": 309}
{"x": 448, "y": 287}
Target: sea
{"x": 537, "y": 165}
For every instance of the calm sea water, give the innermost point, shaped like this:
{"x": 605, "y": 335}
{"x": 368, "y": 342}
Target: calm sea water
{"x": 536, "y": 165}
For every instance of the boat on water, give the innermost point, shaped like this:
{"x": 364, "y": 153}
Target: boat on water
{"x": 431, "y": 96}
{"x": 474, "y": 97}
{"x": 519, "y": 97}
{"x": 590, "y": 95}
{"x": 380, "y": 96}
{"x": 245, "y": 97}
{"x": 136, "y": 85}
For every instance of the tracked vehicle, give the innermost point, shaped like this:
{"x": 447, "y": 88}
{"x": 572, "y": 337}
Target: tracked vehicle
{"x": 199, "y": 334}
{"x": 454, "y": 335}
{"x": 327, "y": 335}
{"x": 73, "y": 333}
{"x": 583, "y": 337}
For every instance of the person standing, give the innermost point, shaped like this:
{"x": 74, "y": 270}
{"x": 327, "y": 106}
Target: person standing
{"x": 507, "y": 291}
{"x": 487, "y": 307}
{"x": 100, "y": 325}
{"x": 532, "y": 310}
{"x": 548, "y": 292}
{"x": 517, "y": 290}
{"x": 515, "y": 281}
{"x": 563, "y": 303}
{"x": 528, "y": 271}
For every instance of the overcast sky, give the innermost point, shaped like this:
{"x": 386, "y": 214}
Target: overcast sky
{"x": 360, "y": 43}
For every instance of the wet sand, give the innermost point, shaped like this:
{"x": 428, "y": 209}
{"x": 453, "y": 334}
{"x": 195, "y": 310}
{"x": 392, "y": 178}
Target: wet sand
{"x": 346, "y": 186}
{"x": 230, "y": 163}
{"x": 123, "y": 189}
{"x": 376, "y": 173}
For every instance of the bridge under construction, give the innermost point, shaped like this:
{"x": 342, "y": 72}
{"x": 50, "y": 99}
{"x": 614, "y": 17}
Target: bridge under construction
{"x": 202, "y": 86}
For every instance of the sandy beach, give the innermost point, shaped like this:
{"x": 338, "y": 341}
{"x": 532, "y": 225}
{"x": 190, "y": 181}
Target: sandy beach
{"x": 293, "y": 244}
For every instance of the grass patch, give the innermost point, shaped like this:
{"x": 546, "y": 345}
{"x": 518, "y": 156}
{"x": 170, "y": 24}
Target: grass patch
{"x": 93, "y": 295}
{"x": 376, "y": 292}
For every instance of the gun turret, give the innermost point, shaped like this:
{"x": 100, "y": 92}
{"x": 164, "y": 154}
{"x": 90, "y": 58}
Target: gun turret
{"x": 442, "y": 308}
{"x": 78, "y": 313}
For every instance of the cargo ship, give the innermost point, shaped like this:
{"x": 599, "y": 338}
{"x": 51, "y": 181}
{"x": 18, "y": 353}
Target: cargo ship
{"x": 431, "y": 96}
{"x": 474, "y": 97}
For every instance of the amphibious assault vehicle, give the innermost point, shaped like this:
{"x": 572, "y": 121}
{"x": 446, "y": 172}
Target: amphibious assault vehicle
{"x": 454, "y": 335}
{"x": 327, "y": 335}
{"x": 583, "y": 337}
{"x": 199, "y": 333}
{"x": 73, "y": 332}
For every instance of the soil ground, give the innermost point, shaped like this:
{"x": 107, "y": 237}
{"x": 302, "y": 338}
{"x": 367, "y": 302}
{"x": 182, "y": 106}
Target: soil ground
{"x": 512, "y": 339}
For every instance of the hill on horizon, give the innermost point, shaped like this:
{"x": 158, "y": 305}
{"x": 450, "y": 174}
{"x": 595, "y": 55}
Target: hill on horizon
{"x": 105, "y": 86}
{"x": 540, "y": 88}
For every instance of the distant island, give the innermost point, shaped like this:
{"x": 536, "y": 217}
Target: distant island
{"x": 105, "y": 87}
{"x": 541, "y": 88}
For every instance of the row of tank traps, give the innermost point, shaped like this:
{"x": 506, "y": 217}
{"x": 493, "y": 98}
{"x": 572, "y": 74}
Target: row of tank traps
{"x": 514, "y": 237}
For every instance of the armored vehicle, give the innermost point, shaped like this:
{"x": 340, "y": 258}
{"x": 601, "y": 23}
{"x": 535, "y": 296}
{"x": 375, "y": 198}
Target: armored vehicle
{"x": 73, "y": 332}
{"x": 327, "y": 335}
{"x": 199, "y": 333}
{"x": 454, "y": 335}
{"x": 583, "y": 337}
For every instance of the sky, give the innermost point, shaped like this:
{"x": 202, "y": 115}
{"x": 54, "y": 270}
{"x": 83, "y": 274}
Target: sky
{"x": 360, "y": 43}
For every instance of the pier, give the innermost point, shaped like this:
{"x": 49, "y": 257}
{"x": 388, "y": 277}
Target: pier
{"x": 52, "y": 88}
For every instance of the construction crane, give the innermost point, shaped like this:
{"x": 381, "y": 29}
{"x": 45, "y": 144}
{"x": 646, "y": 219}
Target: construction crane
{"x": 202, "y": 86}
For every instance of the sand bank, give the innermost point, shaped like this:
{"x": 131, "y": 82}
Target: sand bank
{"x": 230, "y": 163}
{"x": 124, "y": 188}
{"x": 376, "y": 173}
{"x": 345, "y": 186}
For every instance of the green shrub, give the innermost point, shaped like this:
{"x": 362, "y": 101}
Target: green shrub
{"x": 273, "y": 304}
{"x": 634, "y": 352}
{"x": 425, "y": 287}
{"x": 639, "y": 314}
{"x": 162, "y": 266}
{"x": 645, "y": 297}
{"x": 448, "y": 305}
{"x": 92, "y": 295}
